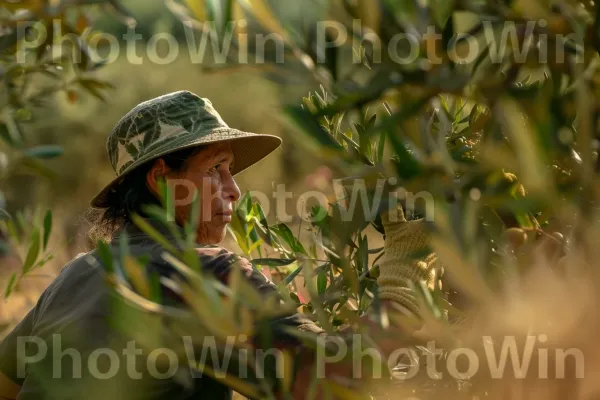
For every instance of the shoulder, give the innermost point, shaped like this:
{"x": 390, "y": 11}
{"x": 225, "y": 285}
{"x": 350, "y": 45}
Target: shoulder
{"x": 76, "y": 275}
{"x": 77, "y": 293}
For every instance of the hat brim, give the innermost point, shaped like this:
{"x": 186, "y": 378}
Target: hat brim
{"x": 248, "y": 149}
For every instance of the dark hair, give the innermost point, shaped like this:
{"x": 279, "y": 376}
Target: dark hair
{"x": 130, "y": 196}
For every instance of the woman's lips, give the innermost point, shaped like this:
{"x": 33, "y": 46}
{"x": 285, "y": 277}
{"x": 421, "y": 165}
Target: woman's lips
{"x": 225, "y": 216}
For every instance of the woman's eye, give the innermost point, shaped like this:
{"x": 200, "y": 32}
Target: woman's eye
{"x": 214, "y": 168}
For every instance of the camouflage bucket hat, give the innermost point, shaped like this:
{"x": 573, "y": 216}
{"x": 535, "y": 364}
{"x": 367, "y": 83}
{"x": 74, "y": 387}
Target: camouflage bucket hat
{"x": 173, "y": 122}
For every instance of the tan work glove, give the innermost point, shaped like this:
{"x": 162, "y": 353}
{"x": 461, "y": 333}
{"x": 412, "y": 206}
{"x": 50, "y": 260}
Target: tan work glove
{"x": 403, "y": 240}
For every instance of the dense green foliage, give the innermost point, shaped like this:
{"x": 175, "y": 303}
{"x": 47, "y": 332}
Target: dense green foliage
{"x": 505, "y": 140}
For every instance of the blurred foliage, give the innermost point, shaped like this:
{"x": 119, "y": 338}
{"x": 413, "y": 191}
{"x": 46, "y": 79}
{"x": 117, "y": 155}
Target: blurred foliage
{"x": 28, "y": 234}
{"x": 31, "y": 75}
{"x": 506, "y": 146}
{"x": 500, "y": 130}
{"x": 498, "y": 133}
{"x": 30, "y": 54}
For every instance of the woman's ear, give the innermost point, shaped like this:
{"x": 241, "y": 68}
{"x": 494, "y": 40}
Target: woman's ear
{"x": 159, "y": 170}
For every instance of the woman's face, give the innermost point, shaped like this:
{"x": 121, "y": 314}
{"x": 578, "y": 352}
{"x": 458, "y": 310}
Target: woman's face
{"x": 209, "y": 171}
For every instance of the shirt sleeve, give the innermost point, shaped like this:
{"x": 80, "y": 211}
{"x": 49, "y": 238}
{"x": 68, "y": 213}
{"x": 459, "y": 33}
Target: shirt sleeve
{"x": 9, "y": 349}
{"x": 10, "y": 346}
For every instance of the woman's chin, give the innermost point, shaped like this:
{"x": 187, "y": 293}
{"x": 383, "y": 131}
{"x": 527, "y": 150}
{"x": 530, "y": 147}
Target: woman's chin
{"x": 216, "y": 236}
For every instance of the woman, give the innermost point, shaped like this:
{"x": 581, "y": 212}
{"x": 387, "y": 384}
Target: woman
{"x": 178, "y": 137}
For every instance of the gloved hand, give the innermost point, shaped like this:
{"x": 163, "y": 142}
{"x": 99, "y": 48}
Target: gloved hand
{"x": 403, "y": 241}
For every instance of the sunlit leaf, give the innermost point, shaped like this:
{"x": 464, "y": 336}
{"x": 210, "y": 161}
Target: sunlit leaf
{"x": 261, "y": 10}
{"x": 47, "y": 228}
{"x": 273, "y": 262}
{"x": 306, "y": 123}
{"x": 322, "y": 282}
{"x": 441, "y": 11}
{"x": 284, "y": 232}
{"x": 36, "y": 167}
{"x": 33, "y": 252}
{"x": 94, "y": 87}
{"x": 137, "y": 276}
{"x": 288, "y": 279}
{"x": 198, "y": 8}
{"x": 11, "y": 285}
{"x": 153, "y": 233}
{"x": 105, "y": 256}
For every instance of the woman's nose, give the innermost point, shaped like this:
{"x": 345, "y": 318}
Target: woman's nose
{"x": 230, "y": 188}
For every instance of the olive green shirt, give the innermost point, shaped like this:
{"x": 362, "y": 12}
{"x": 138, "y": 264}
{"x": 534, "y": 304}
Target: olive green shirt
{"x": 64, "y": 335}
